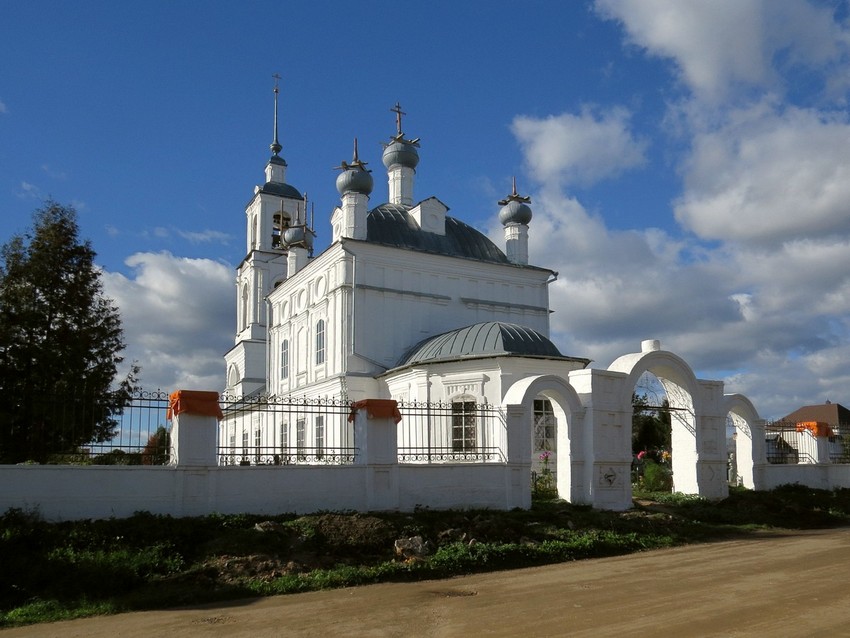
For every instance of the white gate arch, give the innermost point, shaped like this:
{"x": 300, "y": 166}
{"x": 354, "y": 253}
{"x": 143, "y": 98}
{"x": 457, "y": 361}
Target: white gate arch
{"x": 698, "y": 423}
{"x": 749, "y": 438}
{"x": 571, "y": 479}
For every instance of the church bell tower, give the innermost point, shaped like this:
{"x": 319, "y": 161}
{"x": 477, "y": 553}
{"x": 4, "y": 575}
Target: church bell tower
{"x": 275, "y": 208}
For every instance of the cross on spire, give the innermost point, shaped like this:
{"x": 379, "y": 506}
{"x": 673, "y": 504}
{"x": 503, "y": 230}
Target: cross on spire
{"x": 514, "y": 196}
{"x": 275, "y": 145}
{"x": 398, "y": 113}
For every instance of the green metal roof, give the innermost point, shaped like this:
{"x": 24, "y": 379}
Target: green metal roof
{"x": 491, "y": 338}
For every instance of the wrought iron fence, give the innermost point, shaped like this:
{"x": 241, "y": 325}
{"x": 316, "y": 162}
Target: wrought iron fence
{"x": 270, "y": 430}
{"x": 136, "y": 433}
{"x": 460, "y": 431}
{"x": 788, "y": 444}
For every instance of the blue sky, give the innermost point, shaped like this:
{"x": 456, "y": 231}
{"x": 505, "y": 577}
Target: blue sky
{"x": 687, "y": 159}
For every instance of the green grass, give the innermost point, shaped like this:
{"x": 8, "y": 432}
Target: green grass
{"x": 57, "y": 571}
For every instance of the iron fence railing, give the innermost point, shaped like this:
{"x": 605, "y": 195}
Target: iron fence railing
{"x": 271, "y": 430}
{"x": 788, "y": 443}
{"x": 460, "y": 431}
{"x": 56, "y": 431}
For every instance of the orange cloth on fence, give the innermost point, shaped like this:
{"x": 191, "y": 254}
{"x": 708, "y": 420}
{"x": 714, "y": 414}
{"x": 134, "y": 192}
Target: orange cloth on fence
{"x": 817, "y": 428}
{"x": 377, "y": 409}
{"x": 195, "y": 402}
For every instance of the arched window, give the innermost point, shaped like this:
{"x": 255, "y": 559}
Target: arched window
{"x": 284, "y": 359}
{"x": 320, "y": 341}
{"x": 244, "y": 307}
{"x": 232, "y": 376}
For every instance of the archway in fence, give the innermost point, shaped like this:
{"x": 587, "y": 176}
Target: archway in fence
{"x": 682, "y": 390}
{"x": 567, "y": 461}
{"x": 748, "y": 448}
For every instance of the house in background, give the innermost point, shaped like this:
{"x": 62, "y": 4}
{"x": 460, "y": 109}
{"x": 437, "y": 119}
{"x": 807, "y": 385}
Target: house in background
{"x": 793, "y": 438}
{"x": 833, "y": 414}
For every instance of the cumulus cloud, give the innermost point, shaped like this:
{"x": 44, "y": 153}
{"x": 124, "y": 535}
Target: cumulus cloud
{"x": 178, "y": 316}
{"x": 755, "y": 290}
{"x": 720, "y": 45}
{"x": 767, "y": 175}
{"x": 580, "y": 149}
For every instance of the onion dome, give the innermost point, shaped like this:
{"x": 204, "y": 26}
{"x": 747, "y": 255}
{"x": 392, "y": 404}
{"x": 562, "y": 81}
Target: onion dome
{"x": 515, "y": 209}
{"x": 399, "y": 151}
{"x": 298, "y": 236}
{"x": 355, "y": 177}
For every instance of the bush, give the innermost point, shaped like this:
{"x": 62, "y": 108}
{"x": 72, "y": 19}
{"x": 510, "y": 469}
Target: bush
{"x": 657, "y": 477}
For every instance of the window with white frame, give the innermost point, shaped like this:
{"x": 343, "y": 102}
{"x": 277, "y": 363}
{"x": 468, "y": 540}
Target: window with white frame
{"x": 300, "y": 437}
{"x": 232, "y": 448}
{"x": 245, "y": 445}
{"x": 320, "y": 436}
{"x": 320, "y": 341}
{"x": 284, "y": 359}
{"x": 284, "y": 437}
{"x": 258, "y": 438}
{"x": 463, "y": 425}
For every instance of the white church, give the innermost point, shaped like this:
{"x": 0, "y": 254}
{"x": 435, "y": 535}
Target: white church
{"x": 412, "y": 304}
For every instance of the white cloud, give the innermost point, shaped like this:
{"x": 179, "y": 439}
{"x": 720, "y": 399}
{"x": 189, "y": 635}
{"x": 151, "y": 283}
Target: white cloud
{"x": 579, "y": 149}
{"x": 55, "y": 174}
{"x": 767, "y": 318}
{"x": 29, "y": 191}
{"x": 767, "y": 176}
{"x": 205, "y": 236}
{"x": 721, "y": 45}
{"x": 178, "y": 316}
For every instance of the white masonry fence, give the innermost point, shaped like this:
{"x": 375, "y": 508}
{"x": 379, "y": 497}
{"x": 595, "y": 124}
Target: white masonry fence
{"x": 357, "y": 464}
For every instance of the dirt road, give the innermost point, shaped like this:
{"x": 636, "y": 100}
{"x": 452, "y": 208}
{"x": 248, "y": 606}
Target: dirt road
{"x": 790, "y": 584}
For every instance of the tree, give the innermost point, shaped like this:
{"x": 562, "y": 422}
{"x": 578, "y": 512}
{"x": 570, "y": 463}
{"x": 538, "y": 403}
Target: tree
{"x": 650, "y": 425}
{"x": 60, "y": 343}
{"x": 158, "y": 448}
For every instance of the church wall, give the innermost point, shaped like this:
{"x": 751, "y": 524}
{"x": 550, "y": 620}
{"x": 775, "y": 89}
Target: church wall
{"x": 404, "y": 297}
{"x": 316, "y": 293}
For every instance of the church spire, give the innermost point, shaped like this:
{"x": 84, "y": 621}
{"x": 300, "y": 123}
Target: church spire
{"x": 275, "y": 145}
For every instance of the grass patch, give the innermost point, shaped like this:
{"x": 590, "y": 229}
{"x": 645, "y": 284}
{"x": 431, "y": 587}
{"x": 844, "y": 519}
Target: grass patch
{"x": 59, "y": 571}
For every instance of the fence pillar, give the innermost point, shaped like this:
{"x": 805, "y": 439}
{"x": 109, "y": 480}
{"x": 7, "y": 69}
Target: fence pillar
{"x": 194, "y": 418}
{"x": 376, "y": 437}
{"x": 822, "y": 448}
{"x": 518, "y": 479}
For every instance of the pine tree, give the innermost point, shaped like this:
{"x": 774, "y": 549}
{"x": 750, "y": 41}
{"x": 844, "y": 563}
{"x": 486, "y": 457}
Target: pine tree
{"x": 60, "y": 343}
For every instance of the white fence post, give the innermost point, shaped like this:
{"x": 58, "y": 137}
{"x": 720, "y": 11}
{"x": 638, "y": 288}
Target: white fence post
{"x": 518, "y": 479}
{"x": 376, "y": 436}
{"x": 194, "y": 418}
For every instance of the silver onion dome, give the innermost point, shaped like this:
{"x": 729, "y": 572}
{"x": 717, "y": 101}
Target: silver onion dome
{"x": 515, "y": 212}
{"x": 515, "y": 208}
{"x": 400, "y": 152}
{"x": 355, "y": 177}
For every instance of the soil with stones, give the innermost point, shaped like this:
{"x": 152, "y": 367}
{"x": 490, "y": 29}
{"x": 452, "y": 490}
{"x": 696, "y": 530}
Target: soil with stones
{"x": 768, "y": 584}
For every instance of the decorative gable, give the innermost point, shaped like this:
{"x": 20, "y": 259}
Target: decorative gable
{"x": 430, "y": 215}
